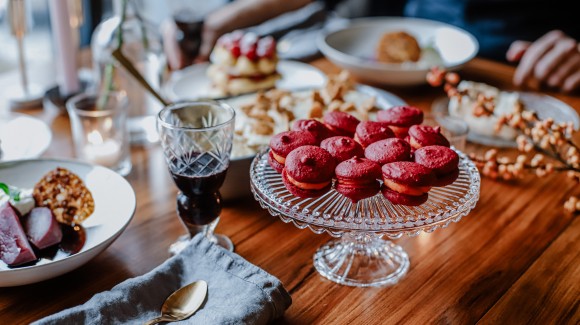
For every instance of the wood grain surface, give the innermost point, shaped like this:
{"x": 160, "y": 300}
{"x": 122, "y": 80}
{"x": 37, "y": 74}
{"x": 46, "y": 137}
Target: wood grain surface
{"x": 514, "y": 259}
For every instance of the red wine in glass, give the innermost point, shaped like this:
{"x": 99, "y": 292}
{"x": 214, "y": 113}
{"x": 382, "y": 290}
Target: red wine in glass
{"x": 199, "y": 202}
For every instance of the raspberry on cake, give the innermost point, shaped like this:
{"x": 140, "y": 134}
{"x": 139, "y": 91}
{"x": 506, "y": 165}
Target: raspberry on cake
{"x": 283, "y": 143}
{"x": 357, "y": 178}
{"x": 423, "y": 135}
{"x": 407, "y": 183}
{"x": 308, "y": 171}
{"x": 242, "y": 63}
{"x": 401, "y": 118}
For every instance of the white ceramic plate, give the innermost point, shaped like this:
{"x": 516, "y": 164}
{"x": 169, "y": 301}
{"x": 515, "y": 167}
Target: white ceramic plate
{"x": 193, "y": 83}
{"x": 114, "y": 209}
{"x": 22, "y": 137}
{"x": 353, "y": 48}
{"x": 237, "y": 183}
{"x": 546, "y": 106}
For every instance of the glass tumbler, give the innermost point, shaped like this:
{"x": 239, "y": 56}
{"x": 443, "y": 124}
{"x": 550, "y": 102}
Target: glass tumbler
{"x": 196, "y": 137}
{"x": 100, "y": 131}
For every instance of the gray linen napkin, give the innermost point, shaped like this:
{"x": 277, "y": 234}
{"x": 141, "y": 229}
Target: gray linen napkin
{"x": 238, "y": 292}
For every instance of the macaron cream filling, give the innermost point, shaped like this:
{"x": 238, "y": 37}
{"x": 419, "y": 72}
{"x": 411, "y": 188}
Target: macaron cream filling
{"x": 406, "y": 189}
{"x": 278, "y": 158}
{"x": 307, "y": 186}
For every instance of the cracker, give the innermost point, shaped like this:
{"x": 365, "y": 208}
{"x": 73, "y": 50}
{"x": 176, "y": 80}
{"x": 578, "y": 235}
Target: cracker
{"x": 65, "y": 194}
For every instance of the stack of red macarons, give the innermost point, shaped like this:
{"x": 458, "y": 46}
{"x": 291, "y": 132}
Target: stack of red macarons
{"x": 406, "y": 157}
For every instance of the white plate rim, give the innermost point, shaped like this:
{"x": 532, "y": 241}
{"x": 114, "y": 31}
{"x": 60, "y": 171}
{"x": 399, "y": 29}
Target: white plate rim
{"x": 168, "y": 87}
{"x": 80, "y": 254}
{"x": 366, "y": 64}
{"x": 42, "y": 149}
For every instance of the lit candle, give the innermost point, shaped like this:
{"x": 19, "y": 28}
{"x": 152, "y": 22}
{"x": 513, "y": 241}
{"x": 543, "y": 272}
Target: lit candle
{"x": 102, "y": 152}
{"x": 66, "y": 52}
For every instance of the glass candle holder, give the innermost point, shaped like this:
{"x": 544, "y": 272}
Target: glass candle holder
{"x": 100, "y": 134}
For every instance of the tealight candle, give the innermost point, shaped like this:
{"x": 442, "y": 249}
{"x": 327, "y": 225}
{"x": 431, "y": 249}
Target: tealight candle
{"x": 102, "y": 152}
{"x": 100, "y": 134}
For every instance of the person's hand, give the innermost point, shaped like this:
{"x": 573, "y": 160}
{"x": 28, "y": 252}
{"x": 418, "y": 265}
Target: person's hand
{"x": 553, "y": 60}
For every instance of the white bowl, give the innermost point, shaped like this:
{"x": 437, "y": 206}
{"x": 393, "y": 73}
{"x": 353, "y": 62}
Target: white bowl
{"x": 353, "y": 48}
{"x": 114, "y": 208}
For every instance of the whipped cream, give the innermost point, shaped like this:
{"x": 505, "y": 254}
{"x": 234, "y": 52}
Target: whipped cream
{"x": 24, "y": 205}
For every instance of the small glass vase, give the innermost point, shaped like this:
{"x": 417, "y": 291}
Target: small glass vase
{"x": 141, "y": 43}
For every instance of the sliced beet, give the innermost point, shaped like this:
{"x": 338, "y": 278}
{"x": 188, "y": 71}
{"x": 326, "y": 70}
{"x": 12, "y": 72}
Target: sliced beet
{"x": 42, "y": 228}
{"x": 14, "y": 247}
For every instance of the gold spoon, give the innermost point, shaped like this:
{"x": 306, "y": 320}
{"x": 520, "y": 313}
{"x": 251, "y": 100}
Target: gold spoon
{"x": 182, "y": 303}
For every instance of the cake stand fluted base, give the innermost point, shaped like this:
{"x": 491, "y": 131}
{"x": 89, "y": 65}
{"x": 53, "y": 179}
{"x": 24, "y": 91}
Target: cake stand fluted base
{"x": 362, "y": 260}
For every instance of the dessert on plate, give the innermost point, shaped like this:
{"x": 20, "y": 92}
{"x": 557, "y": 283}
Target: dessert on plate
{"x": 424, "y": 135}
{"x": 36, "y": 223}
{"x": 407, "y": 183}
{"x": 243, "y": 62}
{"x": 282, "y": 144}
{"x": 389, "y": 150}
{"x": 342, "y": 148}
{"x": 369, "y": 132}
{"x": 308, "y": 171}
{"x": 398, "y": 47}
{"x": 401, "y": 118}
{"x": 462, "y": 106}
{"x": 441, "y": 160}
{"x": 357, "y": 178}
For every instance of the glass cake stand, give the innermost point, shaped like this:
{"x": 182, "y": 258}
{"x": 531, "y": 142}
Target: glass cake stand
{"x": 360, "y": 256}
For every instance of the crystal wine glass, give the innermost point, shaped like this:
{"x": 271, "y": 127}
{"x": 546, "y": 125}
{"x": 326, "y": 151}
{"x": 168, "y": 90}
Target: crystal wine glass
{"x": 197, "y": 141}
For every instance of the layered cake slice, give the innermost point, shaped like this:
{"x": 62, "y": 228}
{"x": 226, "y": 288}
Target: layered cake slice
{"x": 243, "y": 62}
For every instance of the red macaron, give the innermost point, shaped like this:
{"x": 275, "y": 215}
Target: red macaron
{"x": 401, "y": 118}
{"x": 424, "y": 135}
{"x": 403, "y": 199}
{"x": 369, "y": 132}
{"x": 410, "y": 181}
{"x": 342, "y": 148}
{"x": 314, "y": 127}
{"x": 357, "y": 178}
{"x": 441, "y": 160}
{"x": 341, "y": 123}
{"x": 308, "y": 171}
{"x": 388, "y": 150}
{"x": 283, "y": 143}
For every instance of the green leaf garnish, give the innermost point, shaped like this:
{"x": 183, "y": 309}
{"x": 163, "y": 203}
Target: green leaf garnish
{"x": 13, "y": 194}
{"x": 5, "y": 188}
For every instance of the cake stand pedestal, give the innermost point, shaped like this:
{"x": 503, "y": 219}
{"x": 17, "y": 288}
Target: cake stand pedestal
{"x": 361, "y": 256}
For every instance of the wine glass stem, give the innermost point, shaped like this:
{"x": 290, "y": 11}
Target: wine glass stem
{"x": 22, "y": 65}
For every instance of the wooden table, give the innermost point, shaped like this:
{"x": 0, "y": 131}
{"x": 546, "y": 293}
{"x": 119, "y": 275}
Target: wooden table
{"x": 514, "y": 259}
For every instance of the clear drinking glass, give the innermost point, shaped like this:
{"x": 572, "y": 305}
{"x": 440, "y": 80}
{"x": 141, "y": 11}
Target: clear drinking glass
{"x": 197, "y": 141}
{"x": 100, "y": 134}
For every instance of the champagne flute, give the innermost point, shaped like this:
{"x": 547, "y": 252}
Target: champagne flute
{"x": 196, "y": 137}
{"x": 28, "y": 94}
